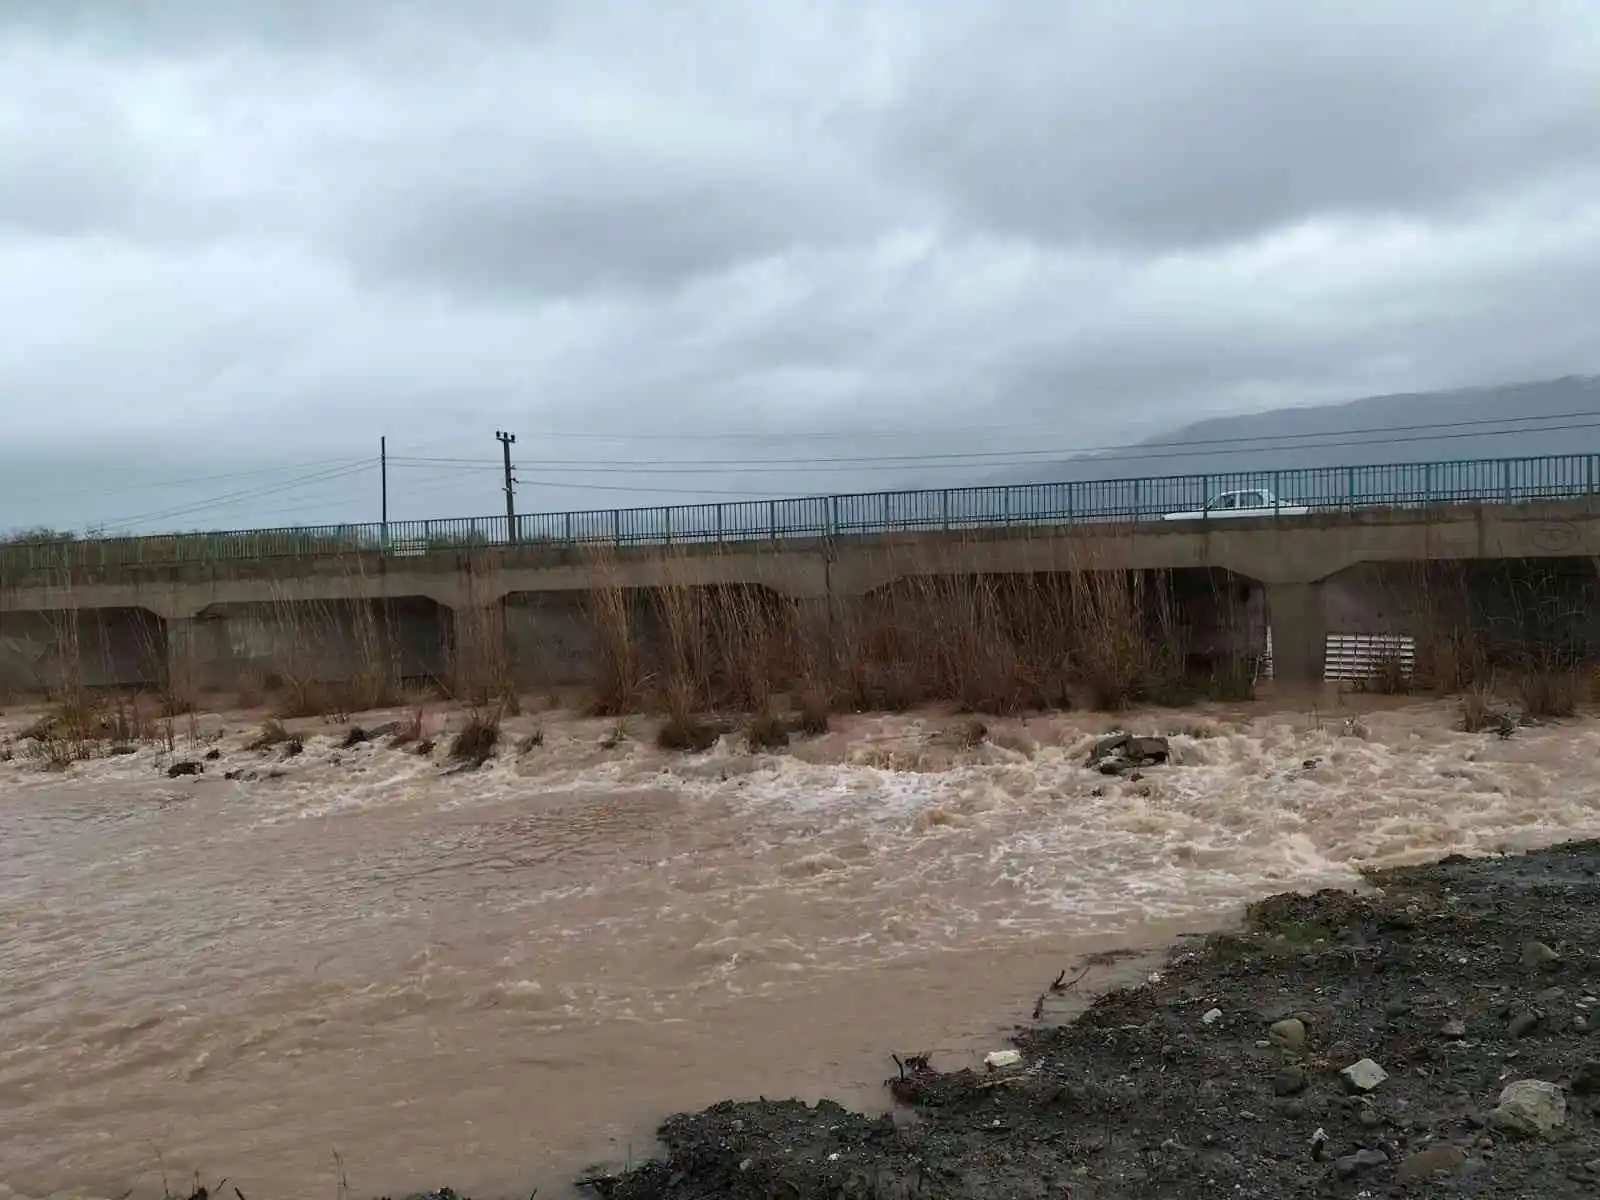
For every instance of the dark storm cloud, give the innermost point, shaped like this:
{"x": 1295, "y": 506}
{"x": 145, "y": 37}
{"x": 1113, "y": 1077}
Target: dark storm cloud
{"x": 1213, "y": 121}
{"x": 283, "y": 229}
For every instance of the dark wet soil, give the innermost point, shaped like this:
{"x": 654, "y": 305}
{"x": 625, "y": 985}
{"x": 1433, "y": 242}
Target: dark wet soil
{"x": 1457, "y": 979}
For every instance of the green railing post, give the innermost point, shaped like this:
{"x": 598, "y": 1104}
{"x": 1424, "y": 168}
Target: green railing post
{"x": 1427, "y": 485}
{"x": 1505, "y": 481}
{"x": 616, "y": 526}
{"x": 944, "y": 509}
{"x": 772, "y": 520}
{"x": 666, "y": 522}
{"x": 1350, "y": 488}
{"x": 1277, "y": 493}
{"x": 567, "y": 527}
{"x": 719, "y": 524}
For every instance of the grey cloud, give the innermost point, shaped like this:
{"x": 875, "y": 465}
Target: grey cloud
{"x": 558, "y": 217}
{"x": 1217, "y": 120}
{"x": 287, "y": 229}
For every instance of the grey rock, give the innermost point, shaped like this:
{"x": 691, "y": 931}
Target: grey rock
{"x": 1363, "y": 1076}
{"x": 1118, "y": 753}
{"x": 1431, "y": 1161}
{"x": 1531, "y": 1106}
{"x": 1290, "y": 1033}
{"x": 1103, "y": 748}
{"x": 1353, "y": 1164}
{"x": 1551, "y": 995}
{"x": 1290, "y": 1081}
{"x": 1454, "y": 1029}
{"x": 1522, "y": 1024}
{"x": 1586, "y": 1080}
{"x": 1536, "y": 955}
{"x": 1368, "y": 1119}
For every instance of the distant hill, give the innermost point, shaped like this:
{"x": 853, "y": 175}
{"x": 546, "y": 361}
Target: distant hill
{"x": 1508, "y": 421}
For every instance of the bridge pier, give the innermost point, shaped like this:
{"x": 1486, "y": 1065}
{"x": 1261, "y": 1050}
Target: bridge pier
{"x": 1299, "y": 631}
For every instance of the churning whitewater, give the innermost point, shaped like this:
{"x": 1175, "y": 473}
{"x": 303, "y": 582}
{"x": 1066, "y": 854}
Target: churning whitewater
{"x": 360, "y": 963}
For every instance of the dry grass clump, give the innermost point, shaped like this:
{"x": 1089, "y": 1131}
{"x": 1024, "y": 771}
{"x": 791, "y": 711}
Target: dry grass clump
{"x": 687, "y": 733}
{"x": 1478, "y": 711}
{"x": 82, "y": 726}
{"x": 1451, "y": 661}
{"x": 474, "y": 743}
{"x": 408, "y": 731}
{"x": 964, "y": 735}
{"x": 812, "y": 717}
{"x": 620, "y": 683}
{"x": 1549, "y": 691}
{"x": 766, "y": 731}
{"x": 998, "y": 645}
{"x": 272, "y": 734}
{"x": 1389, "y": 676}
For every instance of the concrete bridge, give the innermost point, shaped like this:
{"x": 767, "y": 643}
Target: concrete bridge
{"x": 1361, "y": 570}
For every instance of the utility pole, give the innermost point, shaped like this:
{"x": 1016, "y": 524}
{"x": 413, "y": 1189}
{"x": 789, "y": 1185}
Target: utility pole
{"x": 383, "y": 472}
{"x": 507, "y": 440}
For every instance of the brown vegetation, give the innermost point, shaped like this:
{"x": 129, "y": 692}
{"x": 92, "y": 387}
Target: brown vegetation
{"x": 766, "y": 731}
{"x": 474, "y": 743}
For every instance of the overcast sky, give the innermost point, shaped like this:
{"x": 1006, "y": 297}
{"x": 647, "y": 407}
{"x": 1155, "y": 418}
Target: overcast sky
{"x": 255, "y": 236}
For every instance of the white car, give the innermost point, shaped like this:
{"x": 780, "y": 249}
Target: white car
{"x": 1251, "y": 502}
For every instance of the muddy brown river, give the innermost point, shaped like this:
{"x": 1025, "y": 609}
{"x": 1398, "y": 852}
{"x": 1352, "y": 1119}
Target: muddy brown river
{"x": 369, "y": 966}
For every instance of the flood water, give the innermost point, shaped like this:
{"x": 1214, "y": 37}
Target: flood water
{"x": 492, "y": 979}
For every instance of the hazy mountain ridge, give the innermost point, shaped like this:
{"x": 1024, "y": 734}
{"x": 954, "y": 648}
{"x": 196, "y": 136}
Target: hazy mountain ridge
{"x": 1431, "y": 426}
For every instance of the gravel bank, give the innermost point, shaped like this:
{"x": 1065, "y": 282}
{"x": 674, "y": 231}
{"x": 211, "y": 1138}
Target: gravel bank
{"x": 1432, "y": 1037}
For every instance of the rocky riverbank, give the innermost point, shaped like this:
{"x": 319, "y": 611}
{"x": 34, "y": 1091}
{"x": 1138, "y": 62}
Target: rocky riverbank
{"x": 1430, "y": 1037}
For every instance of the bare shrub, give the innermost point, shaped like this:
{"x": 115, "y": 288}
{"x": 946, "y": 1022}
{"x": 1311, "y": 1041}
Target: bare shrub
{"x": 753, "y": 640}
{"x": 687, "y": 650}
{"x": 483, "y": 674}
{"x": 1451, "y": 661}
{"x": 1388, "y": 676}
{"x": 1478, "y": 712}
{"x": 1549, "y": 690}
{"x": 1120, "y": 658}
{"x": 687, "y": 733}
{"x": 409, "y": 730}
{"x": 766, "y": 731}
{"x": 619, "y": 685}
{"x": 474, "y": 743}
{"x": 964, "y": 735}
{"x": 272, "y": 734}
{"x": 812, "y": 719}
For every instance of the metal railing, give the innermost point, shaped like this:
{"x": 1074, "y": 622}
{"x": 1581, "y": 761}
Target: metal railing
{"x": 1323, "y": 489}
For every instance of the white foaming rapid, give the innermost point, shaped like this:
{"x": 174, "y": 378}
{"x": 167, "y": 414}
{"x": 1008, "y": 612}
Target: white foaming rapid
{"x": 479, "y": 977}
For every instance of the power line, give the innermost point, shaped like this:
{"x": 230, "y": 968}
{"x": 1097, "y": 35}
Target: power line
{"x": 895, "y": 434}
{"x": 994, "y": 459}
{"x": 1054, "y": 451}
{"x": 189, "y": 480}
{"x": 228, "y": 500}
